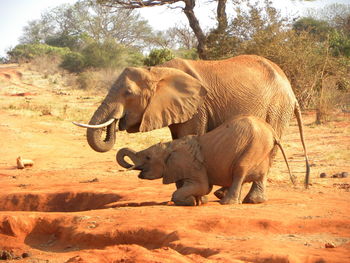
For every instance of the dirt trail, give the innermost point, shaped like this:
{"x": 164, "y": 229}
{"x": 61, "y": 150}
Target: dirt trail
{"x": 76, "y": 205}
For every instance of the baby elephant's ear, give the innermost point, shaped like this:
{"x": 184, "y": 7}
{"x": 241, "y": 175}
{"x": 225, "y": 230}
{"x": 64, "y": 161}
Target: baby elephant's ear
{"x": 172, "y": 173}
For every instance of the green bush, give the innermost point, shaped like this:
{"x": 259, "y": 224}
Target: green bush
{"x": 158, "y": 56}
{"x": 340, "y": 44}
{"x": 134, "y": 58}
{"x": 73, "y": 62}
{"x": 27, "y": 52}
{"x": 104, "y": 55}
{"x": 187, "y": 53}
{"x": 72, "y": 42}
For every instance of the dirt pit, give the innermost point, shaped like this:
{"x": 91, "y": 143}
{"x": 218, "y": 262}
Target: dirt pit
{"x": 76, "y": 205}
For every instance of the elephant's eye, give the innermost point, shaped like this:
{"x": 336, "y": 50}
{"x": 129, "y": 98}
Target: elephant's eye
{"x": 128, "y": 92}
{"x": 148, "y": 158}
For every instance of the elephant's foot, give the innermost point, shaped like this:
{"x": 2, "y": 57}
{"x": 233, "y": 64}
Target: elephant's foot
{"x": 221, "y": 193}
{"x": 229, "y": 201}
{"x": 254, "y": 199}
{"x": 201, "y": 200}
{"x": 256, "y": 194}
{"x": 189, "y": 201}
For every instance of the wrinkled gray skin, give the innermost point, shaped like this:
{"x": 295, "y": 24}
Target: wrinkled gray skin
{"x": 195, "y": 97}
{"x": 237, "y": 152}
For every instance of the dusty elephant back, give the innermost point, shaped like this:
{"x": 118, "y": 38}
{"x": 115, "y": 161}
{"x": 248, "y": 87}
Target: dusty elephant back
{"x": 223, "y": 147}
{"x": 245, "y": 84}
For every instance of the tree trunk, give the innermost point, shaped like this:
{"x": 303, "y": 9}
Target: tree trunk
{"x": 221, "y": 16}
{"x": 197, "y": 30}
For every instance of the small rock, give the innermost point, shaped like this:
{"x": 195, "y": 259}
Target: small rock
{"x": 26, "y": 255}
{"x": 23, "y": 163}
{"x": 24, "y": 185}
{"x": 329, "y": 245}
{"x": 95, "y": 180}
{"x": 337, "y": 175}
{"x": 323, "y": 175}
{"x": 344, "y": 174}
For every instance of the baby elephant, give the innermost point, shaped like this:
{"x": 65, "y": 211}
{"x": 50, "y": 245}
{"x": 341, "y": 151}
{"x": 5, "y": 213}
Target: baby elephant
{"x": 237, "y": 152}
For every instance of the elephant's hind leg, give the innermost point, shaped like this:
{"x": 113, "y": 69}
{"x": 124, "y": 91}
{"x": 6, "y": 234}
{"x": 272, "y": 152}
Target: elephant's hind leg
{"x": 234, "y": 191}
{"x": 221, "y": 192}
{"x": 256, "y": 193}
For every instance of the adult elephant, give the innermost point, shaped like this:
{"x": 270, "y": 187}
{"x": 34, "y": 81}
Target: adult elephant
{"x": 194, "y": 97}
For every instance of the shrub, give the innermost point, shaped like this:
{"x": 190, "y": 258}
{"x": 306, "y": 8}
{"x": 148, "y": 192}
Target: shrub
{"x": 73, "y": 62}
{"x": 187, "y": 53}
{"x": 27, "y": 52}
{"x": 158, "y": 56}
{"x": 104, "y": 55}
{"x": 46, "y": 64}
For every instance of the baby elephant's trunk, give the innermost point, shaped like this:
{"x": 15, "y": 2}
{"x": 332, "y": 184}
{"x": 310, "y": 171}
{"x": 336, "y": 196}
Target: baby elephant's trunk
{"x": 129, "y": 153}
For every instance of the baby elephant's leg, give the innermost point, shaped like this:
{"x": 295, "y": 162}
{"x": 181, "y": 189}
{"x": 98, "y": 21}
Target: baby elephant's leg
{"x": 233, "y": 194}
{"x": 256, "y": 193}
{"x": 221, "y": 192}
{"x": 190, "y": 194}
{"x": 184, "y": 196}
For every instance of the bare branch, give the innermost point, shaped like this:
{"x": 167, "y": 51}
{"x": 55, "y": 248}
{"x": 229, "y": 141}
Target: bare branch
{"x": 133, "y": 4}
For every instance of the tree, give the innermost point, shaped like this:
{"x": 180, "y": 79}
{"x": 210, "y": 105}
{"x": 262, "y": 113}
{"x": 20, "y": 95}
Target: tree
{"x": 318, "y": 28}
{"x": 176, "y": 37}
{"x": 36, "y": 32}
{"x": 188, "y": 9}
{"x": 337, "y": 16}
{"x": 70, "y": 25}
{"x": 183, "y": 36}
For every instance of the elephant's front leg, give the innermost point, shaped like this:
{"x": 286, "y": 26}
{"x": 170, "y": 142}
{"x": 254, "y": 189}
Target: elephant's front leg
{"x": 187, "y": 195}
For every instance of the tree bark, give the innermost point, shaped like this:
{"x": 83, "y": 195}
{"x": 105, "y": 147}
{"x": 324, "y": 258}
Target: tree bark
{"x": 221, "y": 16}
{"x": 197, "y": 30}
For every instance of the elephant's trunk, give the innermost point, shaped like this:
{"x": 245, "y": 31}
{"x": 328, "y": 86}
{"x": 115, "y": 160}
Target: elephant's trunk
{"x": 129, "y": 153}
{"x": 103, "y": 139}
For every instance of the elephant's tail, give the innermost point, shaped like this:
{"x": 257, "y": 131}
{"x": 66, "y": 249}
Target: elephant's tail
{"x": 292, "y": 178}
{"x": 297, "y": 113}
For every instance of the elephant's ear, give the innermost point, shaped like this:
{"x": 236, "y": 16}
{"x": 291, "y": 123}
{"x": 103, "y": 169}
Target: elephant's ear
{"x": 172, "y": 171}
{"x": 176, "y": 98}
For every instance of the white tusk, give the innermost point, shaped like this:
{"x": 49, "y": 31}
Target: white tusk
{"x": 98, "y": 126}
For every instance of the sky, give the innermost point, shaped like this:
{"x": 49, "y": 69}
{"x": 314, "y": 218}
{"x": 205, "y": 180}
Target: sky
{"x": 15, "y": 14}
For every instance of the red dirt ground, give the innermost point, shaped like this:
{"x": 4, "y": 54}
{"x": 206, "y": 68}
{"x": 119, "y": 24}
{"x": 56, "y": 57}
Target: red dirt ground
{"x": 76, "y": 205}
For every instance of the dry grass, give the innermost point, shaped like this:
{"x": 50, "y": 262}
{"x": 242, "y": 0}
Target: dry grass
{"x": 97, "y": 80}
{"x": 330, "y": 100}
{"x": 46, "y": 65}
